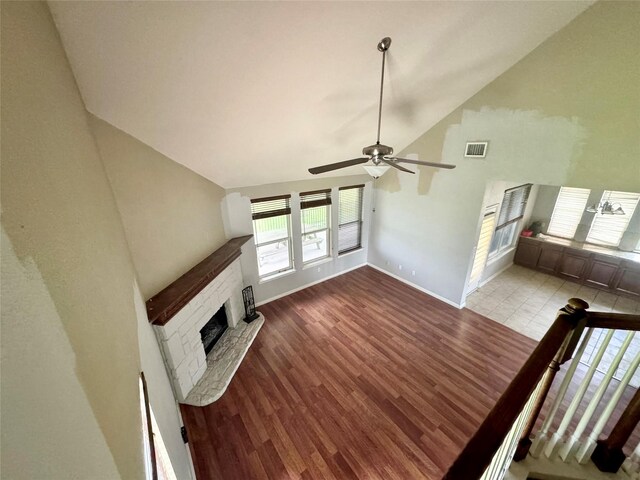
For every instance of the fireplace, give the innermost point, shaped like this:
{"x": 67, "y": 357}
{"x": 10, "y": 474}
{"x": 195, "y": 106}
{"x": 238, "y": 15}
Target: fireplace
{"x": 213, "y": 329}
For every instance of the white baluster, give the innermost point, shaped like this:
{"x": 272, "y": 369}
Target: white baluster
{"x": 572, "y": 445}
{"x": 542, "y": 436}
{"x": 553, "y": 445}
{"x": 589, "y": 445}
{"x": 632, "y": 464}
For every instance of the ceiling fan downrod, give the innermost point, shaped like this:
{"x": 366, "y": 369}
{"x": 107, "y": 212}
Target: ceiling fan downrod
{"x": 383, "y": 46}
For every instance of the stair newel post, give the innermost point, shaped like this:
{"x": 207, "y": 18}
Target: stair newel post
{"x": 575, "y": 309}
{"x": 608, "y": 455}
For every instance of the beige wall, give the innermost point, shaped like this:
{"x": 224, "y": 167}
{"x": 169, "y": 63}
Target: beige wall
{"x": 70, "y": 406}
{"x": 567, "y": 114}
{"x": 172, "y": 216}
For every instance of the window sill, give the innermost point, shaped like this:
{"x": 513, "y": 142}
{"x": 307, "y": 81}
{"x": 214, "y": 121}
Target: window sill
{"x": 316, "y": 263}
{"x": 350, "y": 252}
{"x": 276, "y": 276}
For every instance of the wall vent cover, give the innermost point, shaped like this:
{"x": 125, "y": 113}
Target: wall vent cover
{"x": 476, "y": 149}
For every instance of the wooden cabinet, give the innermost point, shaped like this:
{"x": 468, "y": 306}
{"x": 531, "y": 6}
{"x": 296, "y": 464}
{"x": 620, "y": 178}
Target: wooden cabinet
{"x": 628, "y": 279}
{"x": 527, "y": 254}
{"x": 602, "y": 271}
{"x": 573, "y": 264}
{"x": 617, "y": 275}
{"x": 549, "y": 259}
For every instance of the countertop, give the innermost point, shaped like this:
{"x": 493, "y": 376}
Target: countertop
{"x": 565, "y": 242}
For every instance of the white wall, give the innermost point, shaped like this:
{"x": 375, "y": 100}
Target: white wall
{"x": 549, "y": 120}
{"x": 237, "y": 217}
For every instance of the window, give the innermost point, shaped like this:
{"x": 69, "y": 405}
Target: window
{"x": 315, "y": 216}
{"x": 608, "y": 229}
{"x": 272, "y": 230}
{"x": 567, "y": 212}
{"x": 482, "y": 249}
{"x": 350, "y": 218}
{"x": 512, "y": 209}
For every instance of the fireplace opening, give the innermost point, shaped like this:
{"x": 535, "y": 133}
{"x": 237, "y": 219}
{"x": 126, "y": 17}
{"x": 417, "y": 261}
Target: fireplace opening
{"x": 213, "y": 329}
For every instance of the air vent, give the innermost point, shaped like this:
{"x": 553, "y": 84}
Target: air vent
{"x": 476, "y": 149}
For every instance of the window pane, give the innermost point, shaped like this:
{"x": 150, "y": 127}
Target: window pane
{"x": 272, "y": 228}
{"x": 350, "y": 219}
{"x": 315, "y": 246}
{"x": 567, "y": 212}
{"x": 274, "y": 257}
{"x": 507, "y": 235}
{"x": 315, "y": 218}
{"x": 608, "y": 229}
{"x": 495, "y": 242}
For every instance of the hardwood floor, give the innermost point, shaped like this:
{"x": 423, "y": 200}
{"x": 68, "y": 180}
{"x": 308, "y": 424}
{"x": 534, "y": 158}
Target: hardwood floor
{"x": 360, "y": 376}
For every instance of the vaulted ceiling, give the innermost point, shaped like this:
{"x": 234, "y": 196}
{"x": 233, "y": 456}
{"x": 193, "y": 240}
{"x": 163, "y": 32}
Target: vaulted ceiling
{"x": 248, "y": 93}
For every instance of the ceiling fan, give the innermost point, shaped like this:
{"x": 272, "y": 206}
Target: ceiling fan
{"x": 378, "y": 153}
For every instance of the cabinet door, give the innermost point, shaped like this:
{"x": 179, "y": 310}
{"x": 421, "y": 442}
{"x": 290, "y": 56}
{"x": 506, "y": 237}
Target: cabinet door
{"x": 628, "y": 279}
{"x": 602, "y": 271}
{"x": 527, "y": 253}
{"x": 574, "y": 264}
{"x": 549, "y": 258}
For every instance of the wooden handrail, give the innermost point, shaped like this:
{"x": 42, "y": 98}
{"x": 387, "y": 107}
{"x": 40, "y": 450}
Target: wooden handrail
{"x": 477, "y": 454}
{"x": 616, "y": 321}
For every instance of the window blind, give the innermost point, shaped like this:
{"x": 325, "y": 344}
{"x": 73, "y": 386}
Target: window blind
{"x": 317, "y": 198}
{"x": 513, "y": 204}
{"x": 350, "y": 218}
{"x": 608, "y": 229}
{"x": 314, "y": 217}
{"x": 270, "y": 206}
{"x": 568, "y": 211}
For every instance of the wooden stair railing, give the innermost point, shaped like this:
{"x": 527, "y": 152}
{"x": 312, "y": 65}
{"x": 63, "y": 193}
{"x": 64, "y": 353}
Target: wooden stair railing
{"x": 479, "y": 451}
{"x": 507, "y": 430}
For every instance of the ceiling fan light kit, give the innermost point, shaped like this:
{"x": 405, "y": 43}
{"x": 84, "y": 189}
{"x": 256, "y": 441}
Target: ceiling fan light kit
{"x": 380, "y": 155}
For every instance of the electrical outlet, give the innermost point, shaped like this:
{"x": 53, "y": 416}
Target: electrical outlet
{"x": 413, "y": 273}
{"x": 399, "y": 267}
{"x": 387, "y": 263}
{"x": 318, "y": 269}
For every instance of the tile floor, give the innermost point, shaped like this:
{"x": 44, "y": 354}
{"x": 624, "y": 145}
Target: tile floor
{"x": 527, "y": 301}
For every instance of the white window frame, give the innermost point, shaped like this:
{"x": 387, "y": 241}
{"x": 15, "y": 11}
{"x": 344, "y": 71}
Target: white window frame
{"x": 320, "y": 195}
{"x": 288, "y": 238}
{"x": 509, "y": 227}
{"x": 358, "y": 222}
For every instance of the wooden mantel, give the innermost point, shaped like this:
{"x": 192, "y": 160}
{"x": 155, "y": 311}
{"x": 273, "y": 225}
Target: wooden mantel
{"x": 164, "y": 305}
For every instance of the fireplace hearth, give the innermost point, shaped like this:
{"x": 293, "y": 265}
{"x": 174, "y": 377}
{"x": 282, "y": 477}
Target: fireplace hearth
{"x": 213, "y": 329}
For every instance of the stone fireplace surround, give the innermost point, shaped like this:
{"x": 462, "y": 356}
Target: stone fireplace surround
{"x": 179, "y": 312}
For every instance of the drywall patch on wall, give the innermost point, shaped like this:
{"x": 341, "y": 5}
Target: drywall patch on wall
{"x": 58, "y": 210}
{"x": 433, "y": 232}
{"x": 42, "y": 397}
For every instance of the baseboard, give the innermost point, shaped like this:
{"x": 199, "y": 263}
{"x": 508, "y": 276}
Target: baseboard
{"x": 297, "y": 289}
{"x": 418, "y": 287}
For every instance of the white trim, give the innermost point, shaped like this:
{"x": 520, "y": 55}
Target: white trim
{"x": 297, "y": 289}
{"x": 418, "y": 287}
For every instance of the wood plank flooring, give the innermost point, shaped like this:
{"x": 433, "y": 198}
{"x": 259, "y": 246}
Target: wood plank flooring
{"x": 360, "y": 376}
